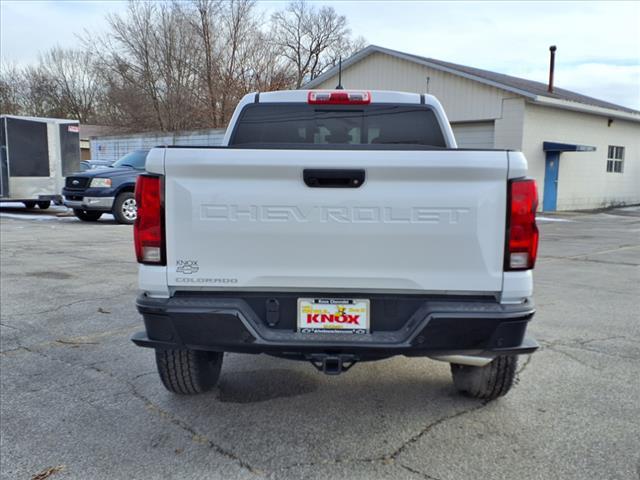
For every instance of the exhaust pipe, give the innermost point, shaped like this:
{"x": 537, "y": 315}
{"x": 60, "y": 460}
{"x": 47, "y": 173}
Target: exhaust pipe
{"x": 464, "y": 360}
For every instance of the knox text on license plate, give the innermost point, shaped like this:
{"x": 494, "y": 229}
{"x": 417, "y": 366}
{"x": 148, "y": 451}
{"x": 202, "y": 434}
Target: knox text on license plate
{"x": 333, "y": 315}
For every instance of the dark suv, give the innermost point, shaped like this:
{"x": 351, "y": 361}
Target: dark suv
{"x": 106, "y": 190}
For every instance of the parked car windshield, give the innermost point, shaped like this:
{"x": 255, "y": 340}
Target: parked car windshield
{"x": 135, "y": 159}
{"x": 364, "y": 125}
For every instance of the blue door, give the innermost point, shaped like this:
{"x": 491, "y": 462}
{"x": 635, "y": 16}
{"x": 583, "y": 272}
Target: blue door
{"x": 551, "y": 181}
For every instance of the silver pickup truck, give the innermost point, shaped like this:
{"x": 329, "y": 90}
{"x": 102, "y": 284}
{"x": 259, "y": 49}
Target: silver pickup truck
{"x": 336, "y": 227}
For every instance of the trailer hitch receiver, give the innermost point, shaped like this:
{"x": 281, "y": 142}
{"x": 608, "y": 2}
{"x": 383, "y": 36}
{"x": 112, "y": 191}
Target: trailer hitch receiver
{"x": 332, "y": 364}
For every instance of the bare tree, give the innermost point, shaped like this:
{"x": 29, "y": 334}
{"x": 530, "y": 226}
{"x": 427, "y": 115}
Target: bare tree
{"x": 129, "y": 60}
{"x": 30, "y": 91}
{"x": 74, "y": 79}
{"x": 176, "y": 65}
{"x": 39, "y": 97}
{"x": 63, "y": 84}
{"x": 11, "y": 89}
{"x": 309, "y": 38}
{"x": 238, "y": 56}
{"x": 268, "y": 71}
{"x": 206, "y": 24}
{"x": 152, "y": 51}
{"x": 239, "y": 27}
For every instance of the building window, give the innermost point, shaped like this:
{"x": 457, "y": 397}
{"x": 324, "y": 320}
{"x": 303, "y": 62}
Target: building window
{"x": 615, "y": 159}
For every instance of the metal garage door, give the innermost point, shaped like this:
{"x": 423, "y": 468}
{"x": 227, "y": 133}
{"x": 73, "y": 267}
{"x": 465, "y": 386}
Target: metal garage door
{"x": 473, "y": 134}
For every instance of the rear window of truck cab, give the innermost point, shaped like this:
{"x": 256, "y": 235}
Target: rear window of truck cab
{"x": 299, "y": 125}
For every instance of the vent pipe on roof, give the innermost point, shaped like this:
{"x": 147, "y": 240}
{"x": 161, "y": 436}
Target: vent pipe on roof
{"x": 552, "y": 67}
{"x": 339, "y": 86}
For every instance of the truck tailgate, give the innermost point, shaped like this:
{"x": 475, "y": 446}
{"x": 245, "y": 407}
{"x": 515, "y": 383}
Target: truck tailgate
{"x": 428, "y": 221}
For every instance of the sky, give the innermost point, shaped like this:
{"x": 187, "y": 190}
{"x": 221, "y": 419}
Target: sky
{"x": 598, "y": 42}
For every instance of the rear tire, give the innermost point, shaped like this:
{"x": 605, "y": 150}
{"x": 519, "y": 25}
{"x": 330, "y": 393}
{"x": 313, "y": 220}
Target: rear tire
{"x": 87, "y": 215}
{"x": 188, "y": 372}
{"x": 44, "y": 204}
{"x": 489, "y": 382}
{"x": 124, "y": 208}
{"x": 30, "y": 204}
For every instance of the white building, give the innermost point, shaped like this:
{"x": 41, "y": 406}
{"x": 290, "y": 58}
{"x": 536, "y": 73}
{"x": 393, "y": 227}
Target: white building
{"x": 583, "y": 152}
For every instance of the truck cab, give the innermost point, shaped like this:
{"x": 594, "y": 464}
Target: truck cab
{"x": 337, "y": 227}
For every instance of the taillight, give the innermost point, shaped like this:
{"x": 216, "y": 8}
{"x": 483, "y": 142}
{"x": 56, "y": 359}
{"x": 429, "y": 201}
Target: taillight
{"x": 148, "y": 230}
{"x": 522, "y": 231}
{"x": 338, "y": 97}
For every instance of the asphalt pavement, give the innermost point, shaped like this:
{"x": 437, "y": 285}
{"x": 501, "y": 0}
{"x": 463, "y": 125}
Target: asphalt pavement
{"x": 79, "y": 401}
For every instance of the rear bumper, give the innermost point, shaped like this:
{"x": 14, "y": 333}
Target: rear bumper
{"x": 433, "y": 326}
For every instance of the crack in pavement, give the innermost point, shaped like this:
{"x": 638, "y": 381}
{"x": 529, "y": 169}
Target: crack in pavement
{"x": 593, "y": 260}
{"x": 572, "y": 357}
{"x": 602, "y": 352}
{"x": 72, "y": 341}
{"x": 426, "y": 476}
{"x": 580, "y": 341}
{"x": 75, "y": 302}
{"x": 391, "y": 458}
{"x": 521, "y": 370}
{"x": 592, "y": 340}
{"x": 196, "y": 437}
{"x": 19, "y": 348}
{"x": 110, "y": 260}
{"x": 525, "y": 364}
{"x": 394, "y": 455}
{"x": 9, "y": 326}
{"x": 583, "y": 256}
{"x": 578, "y": 344}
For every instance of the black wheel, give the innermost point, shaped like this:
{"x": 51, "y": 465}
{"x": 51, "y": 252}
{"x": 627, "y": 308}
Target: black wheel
{"x": 489, "y": 382}
{"x": 87, "y": 215}
{"x": 188, "y": 372}
{"x": 44, "y": 205}
{"x": 124, "y": 208}
{"x": 30, "y": 204}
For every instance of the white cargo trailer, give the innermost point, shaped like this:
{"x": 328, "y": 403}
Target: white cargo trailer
{"x": 35, "y": 156}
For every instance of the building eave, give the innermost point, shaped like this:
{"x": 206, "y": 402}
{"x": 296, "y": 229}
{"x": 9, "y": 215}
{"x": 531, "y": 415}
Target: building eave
{"x": 584, "y": 108}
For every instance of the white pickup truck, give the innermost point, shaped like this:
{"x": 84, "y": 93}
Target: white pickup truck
{"x": 336, "y": 227}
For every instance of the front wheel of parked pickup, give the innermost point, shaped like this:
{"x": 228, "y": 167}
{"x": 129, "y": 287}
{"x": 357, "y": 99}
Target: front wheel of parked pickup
{"x": 489, "y": 382}
{"x": 87, "y": 215}
{"x": 43, "y": 205}
{"x": 188, "y": 372}
{"x": 125, "y": 209}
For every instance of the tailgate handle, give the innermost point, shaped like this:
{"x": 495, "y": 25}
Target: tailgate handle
{"x": 333, "y": 178}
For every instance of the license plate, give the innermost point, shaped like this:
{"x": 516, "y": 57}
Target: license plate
{"x": 333, "y": 315}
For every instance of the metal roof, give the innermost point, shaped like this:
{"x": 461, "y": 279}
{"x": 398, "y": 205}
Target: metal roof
{"x": 521, "y": 86}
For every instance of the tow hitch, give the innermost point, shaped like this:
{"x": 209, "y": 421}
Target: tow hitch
{"x": 332, "y": 364}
